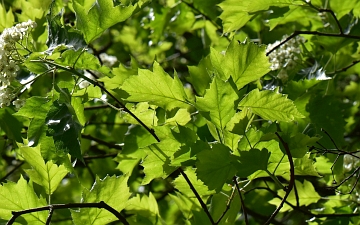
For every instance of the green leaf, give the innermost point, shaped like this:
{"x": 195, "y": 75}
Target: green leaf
{"x": 299, "y": 144}
{"x": 200, "y": 76}
{"x": 305, "y": 191}
{"x": 133, "y": 151}
{"x": 219, "y": 103}
{"x": 215, "y": 166}
{"x": 144, "y": 208}
{"x": 247, "y": 159}
{"x": 270, "y": 106}
{"x": 182, "y": 186}
{"x": 60, "y": 35}
{"x": 21, "y": 196}
{"x": 157, "y": 88}
{"x": 6, "y": 18}
{"x": 64, "y": 128}
{"x": 304, "y": 16}
{"x": 237, "y": 13}
{"x": 113, "y": 191}
{"x": 81, "y": 59}
{"x": 341, "y": 8}
{"x": 35, "y": 107}
{"x": 10, "y": 124}
{"x": 244, "y": 62}
{"x": 47, "y": 175}
{"x": 326, "y": 112}
{"x": 101, "y": 16}
{"x": 159, "y": 155}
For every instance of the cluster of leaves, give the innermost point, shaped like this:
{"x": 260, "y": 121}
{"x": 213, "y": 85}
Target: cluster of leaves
{"x": 190, "y": 125}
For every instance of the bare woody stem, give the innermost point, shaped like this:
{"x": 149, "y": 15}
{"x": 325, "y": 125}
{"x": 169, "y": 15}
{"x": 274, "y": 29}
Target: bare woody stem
{"x": 96, "y": 83}
{"x": 203, "y": 205}
{"x": 291, "y": 182}
{"x": 101, "y": 205}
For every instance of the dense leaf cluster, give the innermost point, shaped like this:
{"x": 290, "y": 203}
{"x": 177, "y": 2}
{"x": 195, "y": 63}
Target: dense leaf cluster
{"x": 182, "y": 112}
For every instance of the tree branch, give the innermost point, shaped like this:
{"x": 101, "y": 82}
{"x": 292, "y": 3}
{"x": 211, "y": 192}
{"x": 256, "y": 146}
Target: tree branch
{"x": 203, "y": 205}
{"x": 242, "y": 201}
{"x": 296, "y": 33}
{"x": 101, "y": 205}
{"x": 291, "y": 182}
{"x": 96, "y": 83}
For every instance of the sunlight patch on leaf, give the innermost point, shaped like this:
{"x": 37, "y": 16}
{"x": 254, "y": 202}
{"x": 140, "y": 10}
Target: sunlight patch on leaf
{"x": 21, "y": 196}
{"x": 306, "y": 192}
{"x": 156, "y": 87}
{"x": 113, "y": 190}
{"x": 47, "y": 175}
{"x": 270, "y": 106}
{"x": 101, "y": 16}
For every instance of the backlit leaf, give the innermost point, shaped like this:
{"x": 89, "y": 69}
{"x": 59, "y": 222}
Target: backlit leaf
{"x": 219, "y": 103}
{"x": 113, "y": 191}
{"x": 101, "y": 16}
{"x": 270, "y": 106}
{"x": 215, "y": 166}
{"x": 157, "y": 88}
{"x": 47, "y": 175}
{"x": 21, "y": 196}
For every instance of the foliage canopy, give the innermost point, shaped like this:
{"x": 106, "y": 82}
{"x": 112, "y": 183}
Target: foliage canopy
{"x": 179, "y": 112}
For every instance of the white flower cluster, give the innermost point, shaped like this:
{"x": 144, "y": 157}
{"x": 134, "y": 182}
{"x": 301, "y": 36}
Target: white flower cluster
{"x": 285, "y": 56}
{"x": 9, "y": 60}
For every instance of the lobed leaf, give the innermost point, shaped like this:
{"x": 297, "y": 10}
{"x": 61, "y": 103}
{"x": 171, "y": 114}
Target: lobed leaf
{"x": 21, "y": 196}
{"x": 270, "y": 106}
{"x": 48, "y": 175}
{"x": 219, "y": 102}
{"x": 157, "y": 88}
{"x": 113, "y": 190}
{"x": 101, "y": 16}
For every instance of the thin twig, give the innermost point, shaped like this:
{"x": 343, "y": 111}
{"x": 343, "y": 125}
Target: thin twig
{"x": 291, "y": 182}
{"x": 101, "y": 205}
{"x": 11, "y": 171}
{"x": 96, "y": 83}
{"x": 296, "y": 33}
{"x": 242, "y": 201}
{"x": 231, "y": 197}
{"x": 203, "y": 205}
{"x": 102, "y": 142}
{"x": 322, "y": 215}
{"x": 345, "y": 68}
{"x": 328, "y": 11}
{"x": 91, "y": 157}
{"x": 48, "y": 219}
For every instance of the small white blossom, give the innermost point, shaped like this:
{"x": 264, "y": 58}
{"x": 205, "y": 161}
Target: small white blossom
{"x": 286, "y": 55}
{"x": 9, "y": 60}
{"x": 108, "y": 60}
{"x": 18, "y": 103}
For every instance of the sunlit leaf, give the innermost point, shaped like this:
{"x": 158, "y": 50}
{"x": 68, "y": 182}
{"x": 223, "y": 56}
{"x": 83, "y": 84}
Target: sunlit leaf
{"x": 21, "y": 196}
{"x": 219, "y": 103}
{"x": 305, "y": 192}
{"x": 215, "y": 166}
{"x": 270, "y": 106}
{"x": 113, "y": 191}
{"x": 101, "y": 16}
{"x": 47, "y": 175}
{"x": 157, "y": 88}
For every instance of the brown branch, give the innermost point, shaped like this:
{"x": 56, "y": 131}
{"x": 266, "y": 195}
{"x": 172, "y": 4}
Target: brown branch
{"x": 101, "y": 205}
{"x": 11, "y": 171}
{"x": 98, "y": 84}
{"x": 296, "y": 33}
{"x": 227, "y": 205}
{"x": 291, "y": 182}
{"x": 345, "y": 68}
{"x": 242, "y": 201}
{"x": 203, "y": 205}
{"x": 102, "y": 142}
